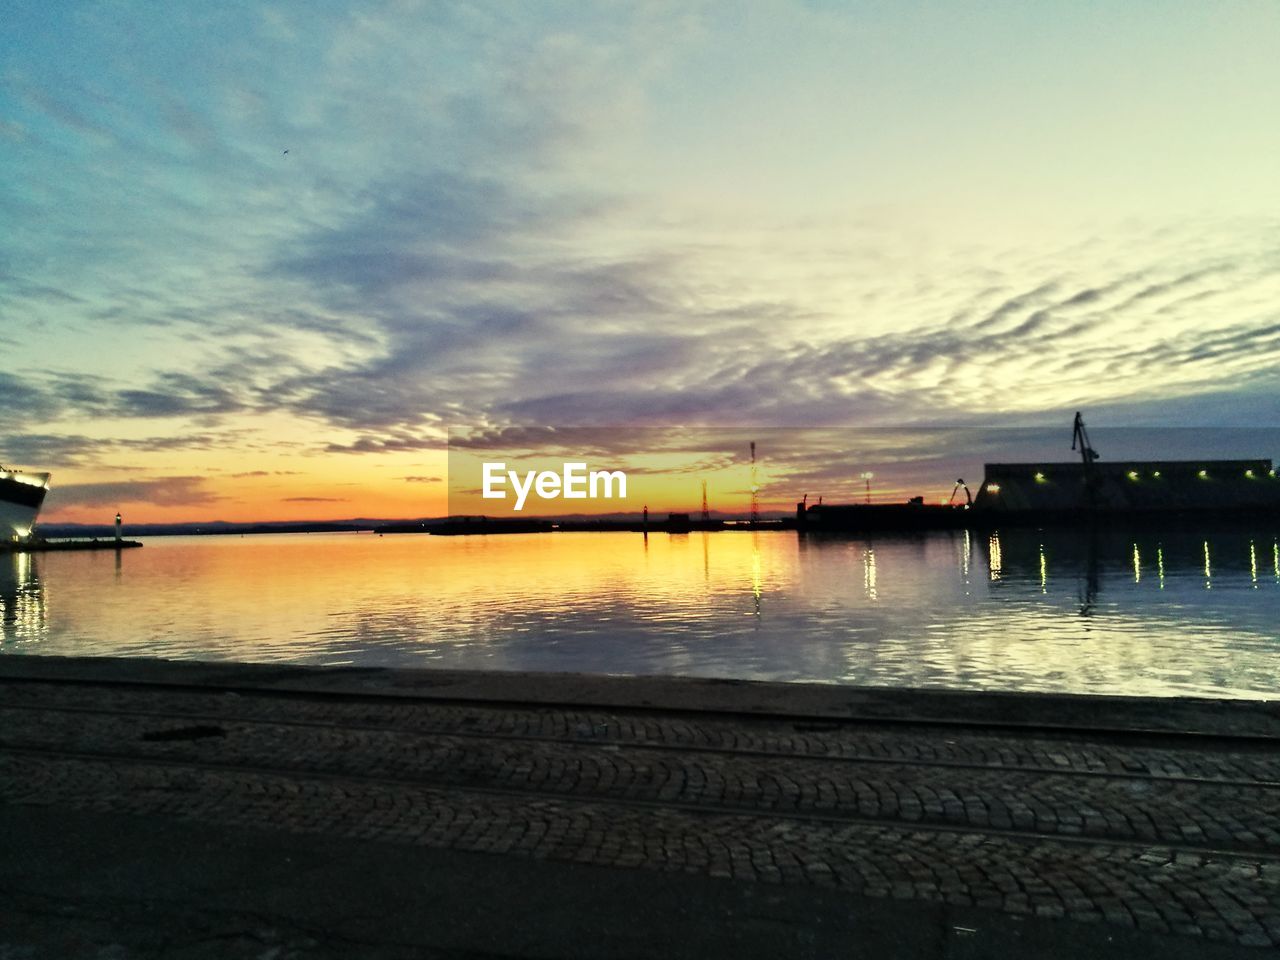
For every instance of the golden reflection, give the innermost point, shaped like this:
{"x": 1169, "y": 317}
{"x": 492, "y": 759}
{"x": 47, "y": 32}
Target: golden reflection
{"x": 1137, "y": 565}
{"x": 757, "y": 571}
{"x": 1044, "y": 572}
{"x": 757, "y": 575}
{"x": 1208, "y": 571}
{"x": 1275, "y": 558}
{"x": 1160, "y": 565}
{"x": 995, "y": 562}
{"x": 23, "y": 606}
{"x": 295, "y": 596}
{"x": 1253, "y": 564}
{"x": 869, "y": 573}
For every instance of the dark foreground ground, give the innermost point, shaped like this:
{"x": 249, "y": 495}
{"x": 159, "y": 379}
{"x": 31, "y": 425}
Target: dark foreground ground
{"x": 157, "y": 809}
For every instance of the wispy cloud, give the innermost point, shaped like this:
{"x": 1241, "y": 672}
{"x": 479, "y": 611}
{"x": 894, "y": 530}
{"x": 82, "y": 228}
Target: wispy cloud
{"x": 160, "y": 492}
{"x": 75, "y": 450}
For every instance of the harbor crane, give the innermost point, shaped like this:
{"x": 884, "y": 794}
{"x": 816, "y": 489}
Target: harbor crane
{"x": 1079, "y": 435}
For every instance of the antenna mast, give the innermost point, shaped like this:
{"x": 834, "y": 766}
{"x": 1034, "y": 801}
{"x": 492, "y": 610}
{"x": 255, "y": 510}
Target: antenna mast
{"x": 706, "y": 514}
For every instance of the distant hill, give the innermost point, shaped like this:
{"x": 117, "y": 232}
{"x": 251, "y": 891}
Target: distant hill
{"x": 56, "y": 531}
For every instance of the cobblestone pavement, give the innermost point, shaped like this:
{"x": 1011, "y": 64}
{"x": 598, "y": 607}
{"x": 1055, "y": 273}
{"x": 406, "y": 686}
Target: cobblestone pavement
{"x": 1176, "y": 834}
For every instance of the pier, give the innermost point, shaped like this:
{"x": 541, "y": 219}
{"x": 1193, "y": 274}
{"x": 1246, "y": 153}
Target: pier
{"x": 161, "y": 808}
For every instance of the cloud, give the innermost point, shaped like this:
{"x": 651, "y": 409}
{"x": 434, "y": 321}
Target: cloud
{"x": 23, "y": 402}
{"x": 160, "y": 492}
{"x": 387, "y": 444}
{"x": 1053, "y": 352}
{"x": 418, "y": 229}
{"x": 423, "y": 479}
{"x": 646, "y": 340}
{"x": 652, "y": 339}
{"x": 61, "y": 110}
{"x": 47, "y": 451}
{"x": 177, "y": 394}
{"x": 313, "y": 500}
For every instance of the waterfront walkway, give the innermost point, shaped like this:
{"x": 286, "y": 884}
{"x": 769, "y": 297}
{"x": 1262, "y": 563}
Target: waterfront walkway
{"x": 163, "y": 809}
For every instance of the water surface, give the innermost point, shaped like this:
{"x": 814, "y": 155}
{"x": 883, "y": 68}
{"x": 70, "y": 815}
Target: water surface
{"x": 1152, "y": 612}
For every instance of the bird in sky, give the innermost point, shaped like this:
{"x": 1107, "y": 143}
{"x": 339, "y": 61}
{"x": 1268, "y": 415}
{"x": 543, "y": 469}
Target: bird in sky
{"x": 283, "y": 153}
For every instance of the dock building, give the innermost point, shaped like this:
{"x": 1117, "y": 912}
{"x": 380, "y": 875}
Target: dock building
{"x": 1128, "y": 488}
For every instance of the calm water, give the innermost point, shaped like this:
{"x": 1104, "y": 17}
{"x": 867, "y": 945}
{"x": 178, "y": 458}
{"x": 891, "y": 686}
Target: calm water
{"x": 1150, "y": 612}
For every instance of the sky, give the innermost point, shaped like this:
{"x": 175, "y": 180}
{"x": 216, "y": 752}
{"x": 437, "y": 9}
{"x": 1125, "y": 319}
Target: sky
{"x": 257, "y": 260}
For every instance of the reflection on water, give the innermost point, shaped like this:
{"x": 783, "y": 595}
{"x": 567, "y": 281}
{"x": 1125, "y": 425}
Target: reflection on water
{"x": 757, "y": 571}
{"x": 1148, "y": 611}
{"x": 1093, "y": 554}
{"x": 22, "y": 602}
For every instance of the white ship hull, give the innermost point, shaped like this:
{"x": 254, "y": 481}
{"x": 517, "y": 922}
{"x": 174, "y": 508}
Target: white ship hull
{"x": 21, "y": 495}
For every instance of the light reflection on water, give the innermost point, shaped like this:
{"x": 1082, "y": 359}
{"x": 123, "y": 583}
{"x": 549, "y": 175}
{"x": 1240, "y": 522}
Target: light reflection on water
{"x": 1114, "y": 611}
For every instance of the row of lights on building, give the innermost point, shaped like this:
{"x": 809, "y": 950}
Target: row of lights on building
{"x": 1133, "y": 475}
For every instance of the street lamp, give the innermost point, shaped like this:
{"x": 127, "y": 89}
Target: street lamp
{"x": 866, "y": 477}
